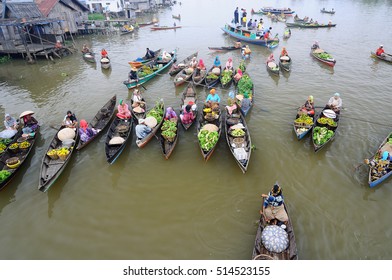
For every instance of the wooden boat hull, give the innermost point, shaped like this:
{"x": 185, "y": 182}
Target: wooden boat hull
{"x": 144, "y": 60}
{"x": 167, "y": 146}
{"x": 387, "y": 57}
{"x": 286, "y": 33}
{"x": 176, "y": 17}
{"x": 242, "y": 110}
{"x": 146, "y": 23}
{"x": 165, "y": 28}
{"x": 211, "y": 82}
{"x": 330, "y": 62}
{"x": 242, "y": 159}
{"x": 189, "y": 94}
{"x": 143, "y": 142}
{"x": 89, "y": 57}
{"x": 238, "y": 34}
{"x": 277, "y": 11}
{"x": 373, "y": 183}
{"x": 334, "y": 129}
{"x": 218, "y": 122}
{"x": 145, "y": 79}
{"x": 260, "y": 252}
{"x": 137, "y": 116}
{"x": 21, "y": 154}
{"x": 51, "y": 169}
{"x": 327, "y": 12}
{"x": 113, "y": 151}
{"x": 285, "y": 65}
{"x": 182, "y": 77}
{"x": 274, "y": 71}
{"x": 105, "y": 64}
{"x": 301, "y": 135}
{"x": 100, "y": 121}
{"x": 223, "y": 49}
{"x": 198, "y": 81}
{"x": 176, "y": 68}
{"x": 309, "y": 25}
{"x": 227, "y": 84}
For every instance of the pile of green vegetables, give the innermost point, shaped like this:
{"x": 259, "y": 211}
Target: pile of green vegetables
{"x": 390, "y": 139}
{"x": 245, "y": 85}
{"x": 156, "y": 112}
{"x": 328, "y": 121}
{"x": 5, "y": 141}
{"x": 325, "y": 56}
{"x": 304, "y": 120}
{"x": 207, "y": 139}
{"x": 242, "y": 67}
{"x": 212, "y": 76}
{"x": 227, "y": 75}
{"x": 144, "y": 71}
{"x": 237, "y": 132}
{"x": 169, "y": 129}
{"x": 4, "y": 174}
{"x": 321, "y": 135}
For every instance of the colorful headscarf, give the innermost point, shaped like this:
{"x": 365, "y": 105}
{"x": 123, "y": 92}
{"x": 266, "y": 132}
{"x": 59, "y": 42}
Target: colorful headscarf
{"x": 83, "y": 124}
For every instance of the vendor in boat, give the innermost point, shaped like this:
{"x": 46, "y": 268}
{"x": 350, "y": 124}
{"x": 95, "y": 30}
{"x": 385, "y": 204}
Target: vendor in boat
{"x": 166, "y": 57}
{"x": 85, "y": 132}
{"x": 201, "y": 65}
{"x": 137, "y": 99}
{"x": 104, "y": 53}
{"x": 149, "y": 54}
{"x": 335, "y": 103}
{"x": 246, "y": 52}
{"x": 284, "y": 52}
{"x": 142, "y": 130}
{"x": 133, "y": 77}
{"x": 170, "y": 114}
{"x": 11, "y": 127}
{"x": 270, "y": 58}
{"x": 85, "y": 49}
{"x": 30, "y": 123}
{"x": 238, "y": 75}
{"x": 123, "y": 110}
{"x": 193, "y": 62}
{"x": 212, "y": 98}
{"x": 316, "y": 45}
{"x": 217, "y": 62}
{"x": 273, "y": 207}
{"x": 187, "y": 115}
{"x": 229, "y": 64}
{"x": 245, "y": 103}
{"x": 308, "y": 107}
{"x": 380, "y": 51}
{"x": 72, "y": 119}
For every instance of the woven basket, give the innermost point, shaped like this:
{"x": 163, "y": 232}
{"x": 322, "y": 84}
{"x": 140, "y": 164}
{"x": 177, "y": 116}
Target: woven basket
{"x": 263, "y": 257}
{"x": 55, "y": 156}
{"x": 170, "y": 139}
{"x": 238, "y": 142}
{"x": 63, "y": 157}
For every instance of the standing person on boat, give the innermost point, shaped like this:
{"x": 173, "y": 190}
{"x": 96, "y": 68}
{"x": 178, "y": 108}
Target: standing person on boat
{"x": 217, "y": 62}
{"x": 335, "y": 103}
{"x": 273, "y": 207}
{"x": 380, "y": 51}
{"x": 244, "y": 19}
{"x": 30, "y": 123}
{"x": 170, "y": 114}
{"x": 236, "y": 21}
{"x": 201, "y": 65}
{"x": 254, "y": 24}
{"x": 104, "y": 53}
{"x": 142, "y": 130}
{"x": 267, "y": 35}
{"x": 72, "y": 118}
{"x": 149, "y": 54}
{"x": 249, "y": 25}
{"x": 187, "y": 115}
{"x": 308, "y": 107}
{"x": 284, "y": 52}
{"x": 212, "y": 98}
{"x": 85, "y": 49}
{"x": 85, "y": 132}
{"x": 229, "y": 64}
{"x": 133, "y": 75}
{"x": 123, "y": 110}
{"x": 11, "y": 127}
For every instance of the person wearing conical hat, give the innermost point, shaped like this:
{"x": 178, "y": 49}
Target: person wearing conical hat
{"x": 29, "y": 122}
{"x": 133, "y": 75}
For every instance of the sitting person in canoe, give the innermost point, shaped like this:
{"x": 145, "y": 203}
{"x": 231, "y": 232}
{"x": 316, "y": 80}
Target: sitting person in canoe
{"x": 104, "y": 53}
{"x": 201, "y": 65}
{"x": 231, "y": 106}
{"x": 11, "y": 127}
{"x": 142, "y": 130}
{"x": 123, "y": 110}
{"x": 85, "y": 132}
{"x": 270, "y": 58}
{"x": 238, "y": 75}
{"x": 245, "y": 52}
{"x": 138, "y": 100}
{"x": 212, "y": 98}
{"x": 187, "y": 115}
{"x": 245, "y": 102}
{"x": 149, "y": 54}
{"x": 273, "y": 208}
{"x": 308, "y": 107}
{"x": 30, "y": 123}
{"x": 133, "y": 75}
{"x": 217, "y": 62}
{"x": 335, "y": 103}
{"x": 229, "y": 64}
{"x": 380, "y": 51}
{"x": 85, "y": 49}
{"x": 170, "y": 114}
{"x": 316, "y": 45}
{"x": 166, "y": 57}
{"x": 284, "y": 52}
{"x": 193, "y": 62}
{"x": 72, "y": 121}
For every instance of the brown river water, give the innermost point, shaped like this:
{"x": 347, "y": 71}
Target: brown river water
{"x": 146, "y": 207}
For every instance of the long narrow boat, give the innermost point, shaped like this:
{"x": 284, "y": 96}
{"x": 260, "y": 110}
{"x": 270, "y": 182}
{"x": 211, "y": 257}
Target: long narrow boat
{"x": 381, "y": 169}
{"x": 301, "y": 129}
{"x": 139, "y": 113}
{"x": 386, "y": 57}
{"x": 286, "y": 33}
{"x": 168, "y": 145}
{"x": 201, "y": 126}
{"x": 177, "y": 67}
{"x": 272, "y": 67}
{"x": 323, "y": 56}
{"x": 227, "y": 77}
{"x": 274, "y": 11}
{"x": 176, "y": 17}
{"x": 321, "y": 130}
{"x": 188, "y": 95}
{"x": 155, "y": 28}
{"x": 249, "y": 36}
{"x": 89, "y": 57}
{"x": 240, "y": 95}
{"x": 142, "y": 80}
{"x": 100, "y": 121}
{"x": 261, "y": 253}
{"x": 253, "y": 12}
{"x": 146, "y": 23}
{"x": 139, "y": 62}
{"x": 51, "y": 169}
{"x": 240, "y": 146}
{"x": 199, "y": 76}
{"x": 310, "y": 25}
{"x": 183, "y": 76}
{"x": 327, "y": 11}
{"x": 223, "y": 49}
{"x": 160, "y": 108}
{"x": 21, "y": 155}
{"x": 105, "y": 63}
{"x": 285, "y": 63}
{"x": 210, "y": 82}
{"x": 122, "y": 130}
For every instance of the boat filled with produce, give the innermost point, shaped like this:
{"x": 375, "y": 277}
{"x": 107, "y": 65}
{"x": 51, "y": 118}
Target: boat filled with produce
{"x": 303, "y": 124}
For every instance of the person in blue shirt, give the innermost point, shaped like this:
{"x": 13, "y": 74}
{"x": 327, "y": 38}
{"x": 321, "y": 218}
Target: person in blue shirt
{"x": 217, "y": 62}
{"x": 212, "y": 97}
{"x": 273, "y": 207}
{"x": 142, "y": 130}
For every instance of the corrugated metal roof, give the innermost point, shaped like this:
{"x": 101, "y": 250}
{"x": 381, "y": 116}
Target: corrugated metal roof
{"x": 76, "y": 2}
{"x": 24, "y": 10}
{"x": 45, "y": 6}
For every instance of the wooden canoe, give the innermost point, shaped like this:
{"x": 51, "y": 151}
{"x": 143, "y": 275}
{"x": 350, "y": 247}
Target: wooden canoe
{"x": 316, "y": 125}
{"x": 385, "y": 57}
{"x": 284, "y": 63}
{"x": 21, "y": 154}
{"x": 212, "y": 82}
{"x": 89, "y": 57}
{"x": 309, "y": 25}
{"x": 100, "y": 121}
{"x": 199, "y": 76}
{"x": 261, "y": 253}
{"x": 51, "y": 169}
{"x": 301, "y": 130}
{"x": 177, "y": 67}
{"x": 375, "y": 179}
{"x": 278, "y": 11}
{"x": 287, "y": 33}
{"x": 317, "y": 53}
{"x": 143, "y": 142}
{"x": 189, "y": 94}
{"x": 139, "y": 62}
{"x": 138, "y": 115}
{"x": 228, "y": 83}
{"x": 105, "y": 63}
{"x": 240, "y": 147}
{"x": 182, "y": 76}
{"x": 243, "y": 111}
{"x": 272, "y": 67}
{"x": 168, "y": 146}
{"x": 200, "y": 123}
{"x": 146, "y": 23}
{"x": 327, "y": 11}
{"x": 223, "y": 49}
{"x": 176, "y": 17}
{"x": 113, "y": 151}
{"x": 155, "y": 28}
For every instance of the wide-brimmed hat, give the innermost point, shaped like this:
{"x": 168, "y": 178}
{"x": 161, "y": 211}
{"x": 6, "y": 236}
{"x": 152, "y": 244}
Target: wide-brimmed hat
{"x": 25, "y": 113}
{"x": 133, "y": 68}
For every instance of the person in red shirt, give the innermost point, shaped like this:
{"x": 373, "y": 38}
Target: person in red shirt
{"x": 267, "y": 35}
{"x": 380, "y": 50}
{"x": 104, "y": 53}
